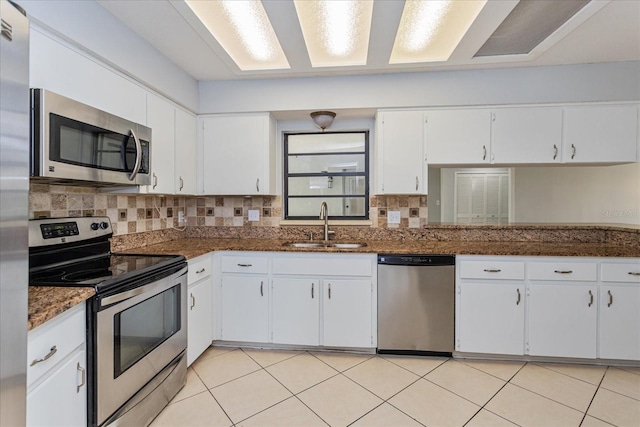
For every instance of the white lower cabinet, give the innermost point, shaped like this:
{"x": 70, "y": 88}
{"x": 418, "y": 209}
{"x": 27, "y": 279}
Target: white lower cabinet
{"x": 56, "y": 371}
{"x": 245, "y": 309}
{"x": 347, "y": 313}
{"x": 296, "y": 311}
{"x": 200, "y": 307}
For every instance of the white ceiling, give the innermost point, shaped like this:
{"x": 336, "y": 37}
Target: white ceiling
{"x": 603, "y": 31}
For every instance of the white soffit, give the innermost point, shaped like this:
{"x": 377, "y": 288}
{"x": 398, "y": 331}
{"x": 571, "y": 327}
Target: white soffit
{"x": 336, "y": 33}
{"x": 244, "y": 31}
{"x": 430, "y": 30}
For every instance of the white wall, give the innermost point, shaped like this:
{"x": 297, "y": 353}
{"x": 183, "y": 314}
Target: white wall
{"x": 89, "y": 26}
{"x": 603, "y": 194}
{"x": 571, "y": 83}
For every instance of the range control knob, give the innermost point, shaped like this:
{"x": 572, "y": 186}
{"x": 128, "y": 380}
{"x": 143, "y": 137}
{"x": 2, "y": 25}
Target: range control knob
{"x": 104, "y": 225}
{"x": 94, "y": 226}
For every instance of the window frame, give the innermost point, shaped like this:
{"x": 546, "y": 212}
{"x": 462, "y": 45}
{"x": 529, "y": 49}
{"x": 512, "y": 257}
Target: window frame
{"x": 286, "y": 175}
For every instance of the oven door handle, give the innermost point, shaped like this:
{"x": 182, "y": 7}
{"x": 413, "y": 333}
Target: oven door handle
{"x": 134, "y": 292}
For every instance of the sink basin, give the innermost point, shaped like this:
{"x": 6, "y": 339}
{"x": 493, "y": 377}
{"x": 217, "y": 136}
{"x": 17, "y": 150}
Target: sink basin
{"x": 347, "y": 245}
{"x": 324, "y": 245}
{"x": 305, "y": 244}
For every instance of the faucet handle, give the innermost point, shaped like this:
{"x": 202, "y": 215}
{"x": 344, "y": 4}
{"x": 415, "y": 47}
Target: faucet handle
{"x": 311, "y": 236}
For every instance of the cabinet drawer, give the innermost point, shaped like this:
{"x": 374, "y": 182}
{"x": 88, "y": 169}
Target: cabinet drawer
{"x": 56, "y": 338}
{"x": 503, "y": 270}
{"x": 565, "y": 271}
{"x": 343, "y": 266}
{"x": 244, "y": 264}
{"x": 199, "y": 268}
{"x": 628, "y": 272}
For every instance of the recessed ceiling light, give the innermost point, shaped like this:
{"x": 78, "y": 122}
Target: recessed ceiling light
{"x": 430, "y": 30}
{"x": 244, "y": 31}
{"x": 336, "y": 32}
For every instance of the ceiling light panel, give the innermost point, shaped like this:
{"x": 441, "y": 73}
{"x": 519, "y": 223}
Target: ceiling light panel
{"x": 430, "y": 30}
{"x": 336, "y": 32}
{"x": 244, "y": 31}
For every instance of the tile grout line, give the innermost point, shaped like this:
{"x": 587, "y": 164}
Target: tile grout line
{"x": 594, "y": 397}
{"x": 571, "y": 376}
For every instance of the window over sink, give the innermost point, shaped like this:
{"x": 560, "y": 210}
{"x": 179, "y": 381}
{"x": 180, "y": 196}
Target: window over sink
{"x": 331, "y": 167}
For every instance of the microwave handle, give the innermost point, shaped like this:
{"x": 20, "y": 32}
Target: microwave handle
{"x": 136, "y": 168}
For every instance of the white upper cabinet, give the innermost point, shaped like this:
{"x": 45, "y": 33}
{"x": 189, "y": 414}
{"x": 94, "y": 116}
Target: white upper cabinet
{"x": 239, "y": 154}
{"x": 460, "y": 136}
{"x": 400, "y": 153}
{"x": 600, "y": 134}
{"x": 160, "y": 118}
{"x": 185, "y": 152}
{"x": 526, "y": 135}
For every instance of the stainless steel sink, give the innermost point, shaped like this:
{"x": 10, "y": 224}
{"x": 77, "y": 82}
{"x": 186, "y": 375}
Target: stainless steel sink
{"x": 347, "y": 245}
{"x": 305, "y": 244}
{"x": 324, "y": 245}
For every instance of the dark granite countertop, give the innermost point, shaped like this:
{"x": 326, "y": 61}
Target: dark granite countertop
{"x": 46, "y": 302}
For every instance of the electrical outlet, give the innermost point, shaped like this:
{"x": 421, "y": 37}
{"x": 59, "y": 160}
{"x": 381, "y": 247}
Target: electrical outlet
{"x": 180, "y": 217}
{"x": 393, "y": 217}
{"x": 254, "y": 215}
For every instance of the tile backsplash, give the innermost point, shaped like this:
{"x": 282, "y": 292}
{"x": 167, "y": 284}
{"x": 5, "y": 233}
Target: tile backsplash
{"x": 136, "y": 213}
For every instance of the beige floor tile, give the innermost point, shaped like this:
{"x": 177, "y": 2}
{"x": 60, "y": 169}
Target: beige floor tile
{"x": 381, "y": 377}
{"x": 526, "y": 408}
{"x": 386, "y": 415}
{"x": 589, "y": 421}
{"x": 225, "y": 367}
{"x": 215, "y": 351}
{"x": 269, "y": 357}
{"x": 339, "y": 401}
{"x": 416, "y": 364}
{"x": 590, "y": 373}
{"x": 301, "y": 372}
{"x": 198, "y": 410}
{"x": 556, "y": 386}
{"x": 485, "y": 418}
{"x": 623, "y": 382}
{"x": 630, "y": 369}
{"x": 433, "y": 405}
{"x": 290, "y": 413}
{"x": 465, "y": 381}
{"x": 501, "y": 369}
{"x": 193, "y": 386}
{"x": 341, "y": 361}
{"x": 615, "y": 408}
{"x": 246, "y": 396}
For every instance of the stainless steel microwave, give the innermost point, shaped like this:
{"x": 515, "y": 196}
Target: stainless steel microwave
{"x": 73, "y": 143}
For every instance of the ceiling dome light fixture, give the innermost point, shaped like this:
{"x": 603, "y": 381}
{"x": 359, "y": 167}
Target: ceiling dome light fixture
{"x": 323, "y": 119}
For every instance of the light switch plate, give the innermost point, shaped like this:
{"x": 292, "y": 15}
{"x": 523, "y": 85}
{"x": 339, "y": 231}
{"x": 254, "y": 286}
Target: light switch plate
{"x": 254, "y": 215}
{"x": 393, "y": 217}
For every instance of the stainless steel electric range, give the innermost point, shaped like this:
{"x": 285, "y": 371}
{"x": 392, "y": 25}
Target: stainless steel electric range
{"x": 136, "y": 322}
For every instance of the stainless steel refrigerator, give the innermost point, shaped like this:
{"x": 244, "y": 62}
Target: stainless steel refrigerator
{"x": 14, "y": 212}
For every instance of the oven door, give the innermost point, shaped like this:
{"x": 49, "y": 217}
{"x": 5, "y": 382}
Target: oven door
{"x": 139, "y": 332}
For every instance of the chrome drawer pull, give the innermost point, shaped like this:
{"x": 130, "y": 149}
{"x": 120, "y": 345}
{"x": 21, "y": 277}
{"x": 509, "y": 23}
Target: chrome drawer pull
{"x": 193, "y": 301}
{"x": 563, "y": 271}
{"x": 84, "y": 378}
{"x": 492, "y": 270}
{"x": 245, "y": 265}
{"x": 53, "y": 351}
{"x": 610, "y": 299}
{"x": 200, "y": 271}
{"x": 633, "y": 273}
{"x": 590, "y": 298}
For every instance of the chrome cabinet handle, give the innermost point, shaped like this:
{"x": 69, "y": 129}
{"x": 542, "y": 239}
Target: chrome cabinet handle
{"x": 563, "y": 271}
{"x": 573, "y": 151}
{"x": 245, "y": 265}
{"x": 417, "y": 183}
{"x": 138, "y": 163}
{"x": 155, "y": 181}
{"x": 590, "y": 298}
{"x": 555, "y": 151}
{"x": 84, "y": 377}
{"x": 193, "y": 301}
{"x": 53, "y": 351}
{"x": 258, "y": 185}
{"x": 633, "y": 273}
{"x": 519, "y": 296}
{"x": 484, "y": 152}
{"x": 329, "y": 290}
{"x": 610, "y": 299}
{"x": 200, "y": 271}
{"x": 312, "y": 285}
{"x": 261, "y": 288}
{"x": 181, "y": 183}
{"x": 492, "y": 270}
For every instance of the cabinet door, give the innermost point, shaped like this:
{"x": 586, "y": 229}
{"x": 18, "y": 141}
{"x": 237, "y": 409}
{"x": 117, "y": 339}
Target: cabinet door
{"x": 61, "y": 399}
{"x": 604, "y": 133}
{"x": 238, "y": 155}
{"x": 562, "y": 320}
{"x": 200, "y": 319}
{"x": 185, "y": 152}
{"x": 346, "y": 313}
{"x": 245, "y": 308}
{"x": 458, "y": 136}
{"x": 526, "y": 135}
{"x": 619, "y": 322}
{"x": 491, "y": 318}
{"x": 160, "y": 118}
{"x": 401, "y": 155}
{"x": 296, "y": 311}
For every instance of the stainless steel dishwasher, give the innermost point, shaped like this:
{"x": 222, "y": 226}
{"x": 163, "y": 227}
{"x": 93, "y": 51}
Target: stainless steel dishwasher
{"x": 416, "y": 295}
